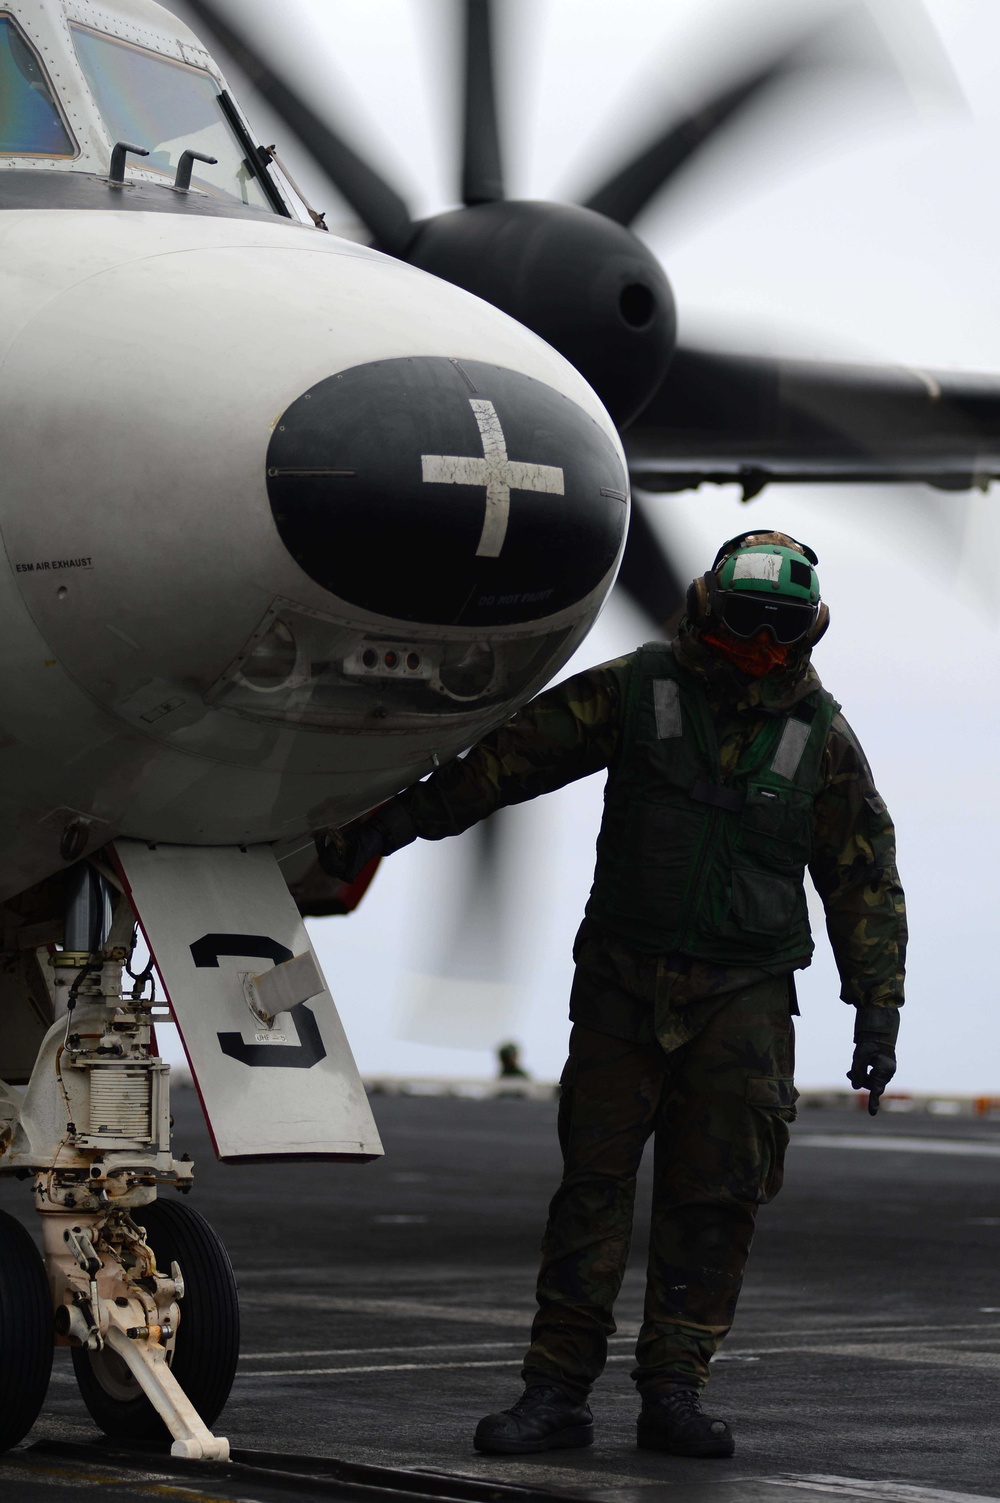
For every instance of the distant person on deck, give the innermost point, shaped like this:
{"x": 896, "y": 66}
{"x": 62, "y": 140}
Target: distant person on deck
{"x": 730, "y": 772}
{"x": 509, "y": 1057}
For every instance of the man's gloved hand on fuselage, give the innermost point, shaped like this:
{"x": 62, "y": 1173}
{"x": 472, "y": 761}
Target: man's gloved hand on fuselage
{"x": 874, "y": 1062}
{"x": 345, "y": 853}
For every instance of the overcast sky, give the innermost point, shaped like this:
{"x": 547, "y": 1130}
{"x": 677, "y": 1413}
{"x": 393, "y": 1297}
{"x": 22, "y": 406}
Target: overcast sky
{"x": 850, "y": 219}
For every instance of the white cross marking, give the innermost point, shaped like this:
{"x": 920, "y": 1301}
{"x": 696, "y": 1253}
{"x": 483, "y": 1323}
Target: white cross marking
{"x": 499, "y": 474}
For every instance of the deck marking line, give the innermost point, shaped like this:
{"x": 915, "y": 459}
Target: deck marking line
{"x": 421, "y": 1309}
{"x": 886, "y": 1144}
{"x": 982, "y": 1328}
{"x": 386, "y": 1367}
{"x": 935, "y": 1356}
{"x": 879, "y": 1492}
{"x": 401, "y": 1346}
{"x": 918, "y": 1355}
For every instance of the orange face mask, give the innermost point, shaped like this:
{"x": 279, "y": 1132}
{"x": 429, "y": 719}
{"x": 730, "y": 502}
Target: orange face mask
{"x": 755, "y": 656}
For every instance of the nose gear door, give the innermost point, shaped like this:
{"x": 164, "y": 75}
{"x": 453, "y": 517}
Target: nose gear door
{"x": 265, "y": 1044}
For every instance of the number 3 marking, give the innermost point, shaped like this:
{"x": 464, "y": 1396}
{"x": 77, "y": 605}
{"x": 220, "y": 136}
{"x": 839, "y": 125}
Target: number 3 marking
{"x": 308, "y": 1051}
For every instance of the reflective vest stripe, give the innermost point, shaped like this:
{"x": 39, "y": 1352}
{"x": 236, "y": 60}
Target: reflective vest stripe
{"x": 667, "y": 708}
{"x": 790, "y": 749}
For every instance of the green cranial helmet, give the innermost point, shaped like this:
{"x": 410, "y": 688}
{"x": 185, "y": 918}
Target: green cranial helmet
{"x": 771, "y": 570}
{"x": 767, "y": 581}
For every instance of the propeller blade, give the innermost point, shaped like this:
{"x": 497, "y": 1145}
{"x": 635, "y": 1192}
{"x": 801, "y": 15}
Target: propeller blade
{"x": 475, "y": 948}
{"x": 847, "y": 40}
{"x": 482, "y": 171}
{"x": 647, "y": 575}
{"x": 626, "y": 194}
{"x": 468, "y": 995}
{"x": 376, "y": 204}
{"x": 720, "y": 418}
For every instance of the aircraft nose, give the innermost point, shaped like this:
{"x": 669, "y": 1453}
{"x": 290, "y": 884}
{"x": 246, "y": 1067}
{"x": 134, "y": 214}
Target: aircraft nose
{"x": 449, "y": 492}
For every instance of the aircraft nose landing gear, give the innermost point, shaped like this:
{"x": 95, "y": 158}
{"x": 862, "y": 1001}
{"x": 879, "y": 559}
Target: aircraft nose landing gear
{"x": 201, "y": 1351}
{"x": 143, "y": 1290}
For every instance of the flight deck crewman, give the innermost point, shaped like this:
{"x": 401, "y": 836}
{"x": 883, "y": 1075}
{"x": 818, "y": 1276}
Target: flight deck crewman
{"x": 730, "y": 771}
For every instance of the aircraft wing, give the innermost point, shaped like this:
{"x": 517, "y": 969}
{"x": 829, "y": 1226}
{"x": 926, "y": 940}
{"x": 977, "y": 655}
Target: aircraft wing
{"x": 723, "y": 418}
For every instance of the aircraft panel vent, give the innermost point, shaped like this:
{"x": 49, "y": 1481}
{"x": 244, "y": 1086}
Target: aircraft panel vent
{"x": 120, "y": 1102}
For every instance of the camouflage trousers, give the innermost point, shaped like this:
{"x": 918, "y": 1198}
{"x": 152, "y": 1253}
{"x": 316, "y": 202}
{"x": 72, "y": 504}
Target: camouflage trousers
{"x": 717, "y": 1109}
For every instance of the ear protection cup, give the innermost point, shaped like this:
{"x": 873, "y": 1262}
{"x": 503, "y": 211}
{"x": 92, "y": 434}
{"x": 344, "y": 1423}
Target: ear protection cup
{"x": 699, "y": 600}
{"x": 820, "y": 625}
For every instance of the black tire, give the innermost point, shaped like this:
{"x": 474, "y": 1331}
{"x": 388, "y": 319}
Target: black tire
{"x": 26, "y": 1332}
{"x": 208, "y": 1336}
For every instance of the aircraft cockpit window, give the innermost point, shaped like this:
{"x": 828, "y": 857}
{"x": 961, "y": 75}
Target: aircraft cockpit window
{"x": 168, "y": 107}
{"x": 30, "y": 122}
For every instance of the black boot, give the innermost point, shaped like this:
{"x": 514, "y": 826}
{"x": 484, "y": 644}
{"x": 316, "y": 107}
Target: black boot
{"x": 543, "y": 1419}
{"x": 675, "y": 1421}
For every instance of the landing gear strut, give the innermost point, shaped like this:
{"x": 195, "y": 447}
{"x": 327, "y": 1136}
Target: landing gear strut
{"x": 143, "y": 1290}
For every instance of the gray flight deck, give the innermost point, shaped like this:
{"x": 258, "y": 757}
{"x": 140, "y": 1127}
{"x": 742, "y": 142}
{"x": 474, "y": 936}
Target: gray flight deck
{"x": 386, "y": 1306}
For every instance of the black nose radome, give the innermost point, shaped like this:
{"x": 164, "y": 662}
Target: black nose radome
{"x": 448, "y": 492}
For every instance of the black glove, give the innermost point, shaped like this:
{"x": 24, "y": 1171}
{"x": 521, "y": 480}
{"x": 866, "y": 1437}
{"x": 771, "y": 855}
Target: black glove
{"x": 345, "y": 853}
{"x": 874, "y": 1062}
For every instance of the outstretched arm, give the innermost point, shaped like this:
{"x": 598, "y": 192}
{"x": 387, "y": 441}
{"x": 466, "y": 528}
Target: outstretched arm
{"x": 566, "y": 733}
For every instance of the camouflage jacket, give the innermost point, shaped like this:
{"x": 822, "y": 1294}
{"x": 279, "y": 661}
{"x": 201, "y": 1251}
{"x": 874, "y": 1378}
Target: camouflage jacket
{"x": 573, "y": 730}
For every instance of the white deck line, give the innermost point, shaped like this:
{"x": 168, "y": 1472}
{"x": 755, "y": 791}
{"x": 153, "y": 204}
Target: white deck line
{"x": 893, "y": 1143}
